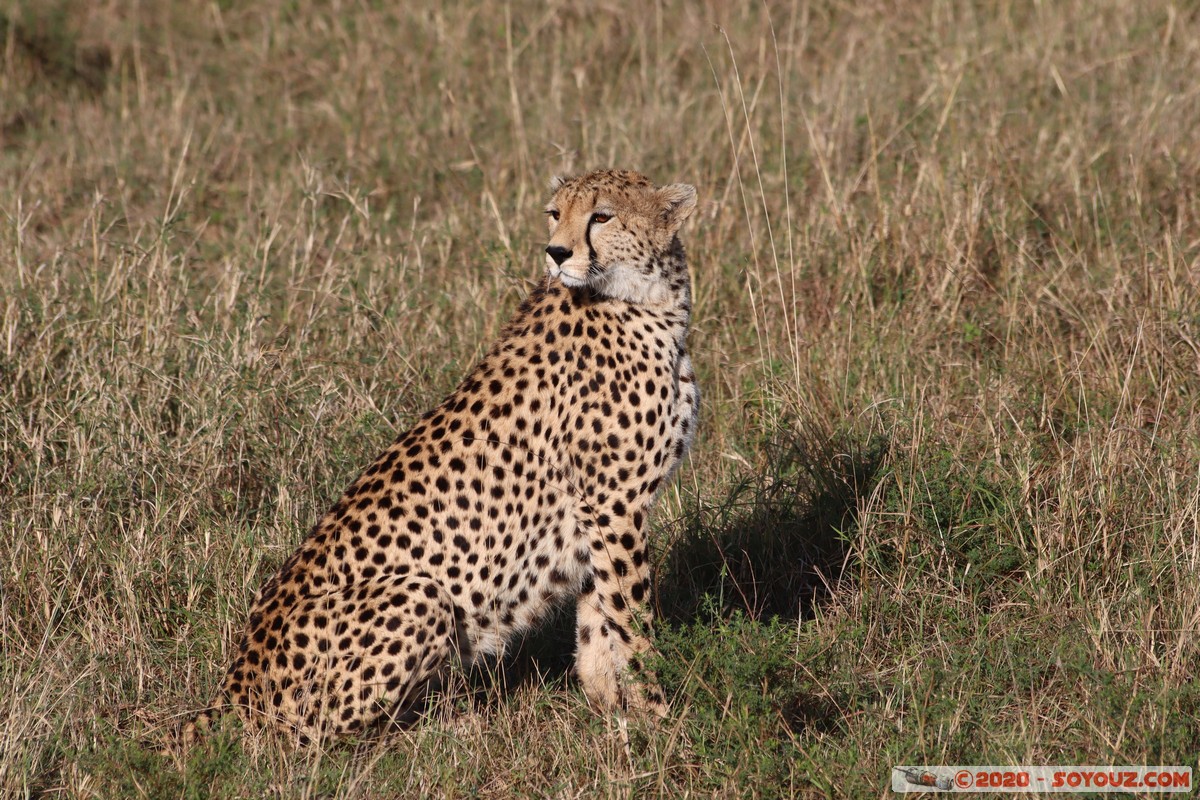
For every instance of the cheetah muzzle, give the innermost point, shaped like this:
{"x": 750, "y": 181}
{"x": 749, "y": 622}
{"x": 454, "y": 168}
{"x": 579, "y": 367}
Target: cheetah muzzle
{"x": 530, "y": 485}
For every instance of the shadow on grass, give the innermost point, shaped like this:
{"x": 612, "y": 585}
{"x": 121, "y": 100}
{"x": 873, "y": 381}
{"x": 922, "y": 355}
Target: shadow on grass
{"x": 740, "y": 574}
{"x": 777, "y": 542}
{"x": 770, "y": 550}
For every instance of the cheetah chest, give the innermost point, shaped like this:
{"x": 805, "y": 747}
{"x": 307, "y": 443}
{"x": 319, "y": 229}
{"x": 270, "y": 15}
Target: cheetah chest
{"x": 597, "y": 409}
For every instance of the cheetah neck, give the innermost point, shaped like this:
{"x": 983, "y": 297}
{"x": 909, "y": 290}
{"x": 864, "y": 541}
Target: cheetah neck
{"x": 662, "y": 284}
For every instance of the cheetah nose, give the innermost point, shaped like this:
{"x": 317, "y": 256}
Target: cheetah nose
{"x": 558, "y": 253}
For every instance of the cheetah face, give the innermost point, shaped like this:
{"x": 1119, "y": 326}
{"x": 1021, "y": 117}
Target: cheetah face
{"x": 609, "y": 231}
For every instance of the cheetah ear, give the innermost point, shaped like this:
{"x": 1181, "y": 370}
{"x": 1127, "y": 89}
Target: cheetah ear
{"x": 557, "y": 182}
{"x": 677, "y": 201}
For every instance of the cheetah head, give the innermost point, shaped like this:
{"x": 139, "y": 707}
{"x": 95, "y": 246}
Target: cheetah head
{"x": 615, "y": 233}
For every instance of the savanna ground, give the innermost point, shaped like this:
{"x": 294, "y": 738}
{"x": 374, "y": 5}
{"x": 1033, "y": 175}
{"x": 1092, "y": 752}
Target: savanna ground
{"x": 944, "y": 501}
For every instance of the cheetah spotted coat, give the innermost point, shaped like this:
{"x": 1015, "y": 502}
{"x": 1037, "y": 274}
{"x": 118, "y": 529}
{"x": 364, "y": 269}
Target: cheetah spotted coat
{"x": 529, "y": 486}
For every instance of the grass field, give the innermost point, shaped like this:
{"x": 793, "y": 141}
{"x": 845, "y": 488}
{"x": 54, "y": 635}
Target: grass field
{"x": 944, "y": 502}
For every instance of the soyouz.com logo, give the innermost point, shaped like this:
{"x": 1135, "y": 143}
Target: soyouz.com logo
{"x": 1042, "y": 779}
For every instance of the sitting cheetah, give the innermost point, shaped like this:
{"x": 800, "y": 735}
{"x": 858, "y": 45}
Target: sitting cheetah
{"x": 530, "y": 485}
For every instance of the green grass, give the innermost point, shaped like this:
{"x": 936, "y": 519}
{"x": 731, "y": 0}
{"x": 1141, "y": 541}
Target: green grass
{"x": 944, "y": 500}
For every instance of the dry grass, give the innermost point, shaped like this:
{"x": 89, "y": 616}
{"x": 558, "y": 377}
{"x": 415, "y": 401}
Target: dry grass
{"x": 948, "y": 330}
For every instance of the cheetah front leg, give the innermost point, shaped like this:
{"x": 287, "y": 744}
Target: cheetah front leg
{"x": 613, "y": 618}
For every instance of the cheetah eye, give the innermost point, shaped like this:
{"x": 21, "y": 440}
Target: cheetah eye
{"x": 601, "y": 218}
{"x": 552, "y": 214}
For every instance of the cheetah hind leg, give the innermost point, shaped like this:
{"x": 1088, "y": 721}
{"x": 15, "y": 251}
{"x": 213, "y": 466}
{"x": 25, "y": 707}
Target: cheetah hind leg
{"x": 179, "y": 738}
{"x": 369, "y": 655}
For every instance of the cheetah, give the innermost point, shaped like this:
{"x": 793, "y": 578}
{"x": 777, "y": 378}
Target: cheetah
{"x": 529, "y": 486}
